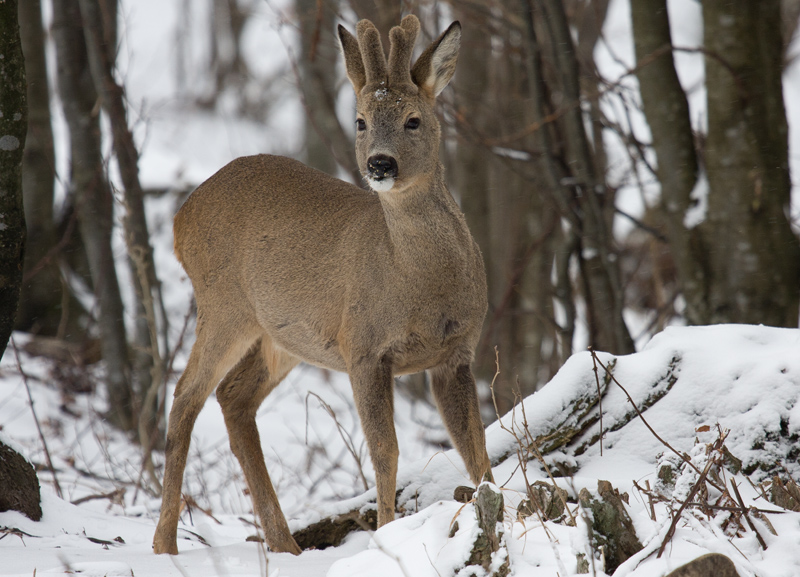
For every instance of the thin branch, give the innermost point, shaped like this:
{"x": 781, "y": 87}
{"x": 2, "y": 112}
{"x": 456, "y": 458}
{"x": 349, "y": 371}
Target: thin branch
{"x": 48, "y": 460}
{"x": 746, "y": 514}
{"x": 649, "y": 428}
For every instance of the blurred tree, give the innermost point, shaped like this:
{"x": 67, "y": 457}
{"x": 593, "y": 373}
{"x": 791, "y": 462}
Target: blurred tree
{"x": 43, "y": 296}
{"x": 742, "y": 262}
{"x": 148, "y": 369}
{"x": 13, "y": 128}
{"x": 533, "y": 188}
{"x": 326, "y": 142}
{"x": 93, "y": 202}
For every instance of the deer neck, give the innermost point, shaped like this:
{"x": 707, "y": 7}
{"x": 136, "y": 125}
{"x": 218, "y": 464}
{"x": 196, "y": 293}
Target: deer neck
{"x": 426, "y": 226}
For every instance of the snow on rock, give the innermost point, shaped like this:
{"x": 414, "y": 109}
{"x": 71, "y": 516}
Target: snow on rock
{"x": 744, "y": 378}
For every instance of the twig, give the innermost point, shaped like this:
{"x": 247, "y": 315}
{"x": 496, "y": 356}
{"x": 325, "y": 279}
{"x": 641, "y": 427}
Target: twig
{"x": 190, "y": 502}
{"x": 671, "y": 531}
{"x": 683, "y": 457}
{"x": 159, "y": 413}
{"x": 348, "y": 440}
{"x": 599, "y": 397}
{"x": 746, "y": 514}
{"x": 530, "y": 445}
{"x": 36, "y": 420}
{"x": 115, "y": 494}
{"x": 650, "y": 500}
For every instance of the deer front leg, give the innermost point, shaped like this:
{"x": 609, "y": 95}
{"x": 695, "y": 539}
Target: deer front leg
{"x": 373, "y": 391}
{"x": 454, "y": 390}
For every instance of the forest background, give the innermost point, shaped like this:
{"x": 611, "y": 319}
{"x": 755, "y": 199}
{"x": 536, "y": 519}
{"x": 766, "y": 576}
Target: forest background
{"x": 614, "y": 190}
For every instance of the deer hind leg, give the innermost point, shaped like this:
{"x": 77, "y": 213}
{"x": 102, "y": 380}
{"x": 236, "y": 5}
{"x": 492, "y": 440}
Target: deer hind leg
{"x": 454, "y": 391}
{"x": 239, "y": 395}
{"x": 211, "y": 358}
{"x": 373, "y": 391}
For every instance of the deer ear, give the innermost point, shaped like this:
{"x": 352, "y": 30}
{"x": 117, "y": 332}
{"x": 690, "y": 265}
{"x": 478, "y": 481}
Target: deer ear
{"x": 435, "y": 67}
{"x": 353, "y": 64}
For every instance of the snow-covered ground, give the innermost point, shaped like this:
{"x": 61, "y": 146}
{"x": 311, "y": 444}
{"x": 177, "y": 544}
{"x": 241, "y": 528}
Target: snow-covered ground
{"x": 747, "y": 379}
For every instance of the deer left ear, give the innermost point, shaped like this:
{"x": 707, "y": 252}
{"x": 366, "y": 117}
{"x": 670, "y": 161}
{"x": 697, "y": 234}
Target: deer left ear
{"x": 435, "y": 67}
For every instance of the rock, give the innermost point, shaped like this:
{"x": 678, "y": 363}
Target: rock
{"x": 330, "y": 532}
{"x": 19, "y": 485}
{"x": 711, "y": 565}
{"x": 489, "y": 510}
{"x": 548, "y": 499}
{"x": 611, "y": 525}
{"x": 785, "y": 495}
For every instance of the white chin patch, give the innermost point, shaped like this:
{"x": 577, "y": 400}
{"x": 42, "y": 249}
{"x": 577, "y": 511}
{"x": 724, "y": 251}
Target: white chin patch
{"x": 383, "y": 185}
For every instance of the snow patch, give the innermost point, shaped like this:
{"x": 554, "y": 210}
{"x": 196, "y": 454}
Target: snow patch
{"x": 697, "y": 212}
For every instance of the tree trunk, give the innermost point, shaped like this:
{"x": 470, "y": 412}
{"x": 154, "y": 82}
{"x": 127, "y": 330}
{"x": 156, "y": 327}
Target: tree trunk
{"x": 599, "y": 265}
{"x": 755, "y": 258}
{"x": 94, "y": 202}
{"x": 148, "y": 365}
{"x": 469, "y": 177}
{"x": 40, "y": 305}
{"x": 667, "y": 112}
{"x": 326, "y": 141}
{"x": 13, "y": 128}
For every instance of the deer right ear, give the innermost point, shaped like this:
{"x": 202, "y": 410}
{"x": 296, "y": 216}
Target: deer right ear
{"x": 435, "y": 67}
{"x": 353, "y": 64}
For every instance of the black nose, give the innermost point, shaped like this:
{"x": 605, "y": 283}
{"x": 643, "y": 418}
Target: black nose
{"x": 381, "y": 166}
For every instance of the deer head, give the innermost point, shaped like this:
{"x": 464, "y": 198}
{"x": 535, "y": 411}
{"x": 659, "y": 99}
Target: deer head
{"x": 397, "y": 133}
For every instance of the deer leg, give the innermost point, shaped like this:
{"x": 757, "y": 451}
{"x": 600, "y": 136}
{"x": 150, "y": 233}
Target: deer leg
{"x": 239, "y": 395}
{"x": 454, "y": 390}
{"x": 206, "y": 366}
{"x": 373, "y": 391}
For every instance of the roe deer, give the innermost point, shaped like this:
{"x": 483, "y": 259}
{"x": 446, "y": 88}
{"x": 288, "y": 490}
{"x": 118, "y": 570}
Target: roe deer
{"x": 289, "y": 264}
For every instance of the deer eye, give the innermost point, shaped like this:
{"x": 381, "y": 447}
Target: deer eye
{"x": 412, "y": 123}
{"x": 360, "y": 124}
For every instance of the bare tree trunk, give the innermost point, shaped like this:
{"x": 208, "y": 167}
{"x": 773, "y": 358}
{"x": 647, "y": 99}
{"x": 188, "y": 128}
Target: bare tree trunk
{"x": 13, "y": 128}
{"x": 599, "y": 266}
{"x": 667, "y": 112}
{"x": 474, "y": 111}
{"x": 755, "y": 261}
{"x": 326, "y": 141}
{"x": 94, "y": 202}
{"x": 40, "y": 305}
{"x": 149, "y": 366}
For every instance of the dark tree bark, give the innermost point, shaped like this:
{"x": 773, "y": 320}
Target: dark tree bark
{"x": 227, "y": 65}
{"x": 93, "y": 201}
{"x": 755, "y": 257}
{"x": 603, "y": 292}
{"x": 326, "y": 142}
{"x": 469, "y": 174}
{"x": 148, "y": 364}
{"x": 20, "y": 484}
{"x": 742, "y": 264}
{"x": 40, "y": 305}
{"x": 667, "y": 112}
{"x": 13, "y": 129}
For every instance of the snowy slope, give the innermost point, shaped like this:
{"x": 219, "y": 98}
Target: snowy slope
{"x": 744, "y": 378}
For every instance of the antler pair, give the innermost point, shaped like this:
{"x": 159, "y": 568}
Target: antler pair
{"x": 373, "y": 68}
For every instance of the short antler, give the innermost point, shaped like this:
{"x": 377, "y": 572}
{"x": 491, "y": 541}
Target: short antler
{"x": 369, "y": 42}
{"x": 401, "y": 46}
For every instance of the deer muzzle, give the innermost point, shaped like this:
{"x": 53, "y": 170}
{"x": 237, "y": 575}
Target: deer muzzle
{"x": 381, "y": 166}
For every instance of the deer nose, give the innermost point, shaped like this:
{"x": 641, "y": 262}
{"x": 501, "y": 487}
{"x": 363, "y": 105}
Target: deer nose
{"x": 381, "y": 166}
